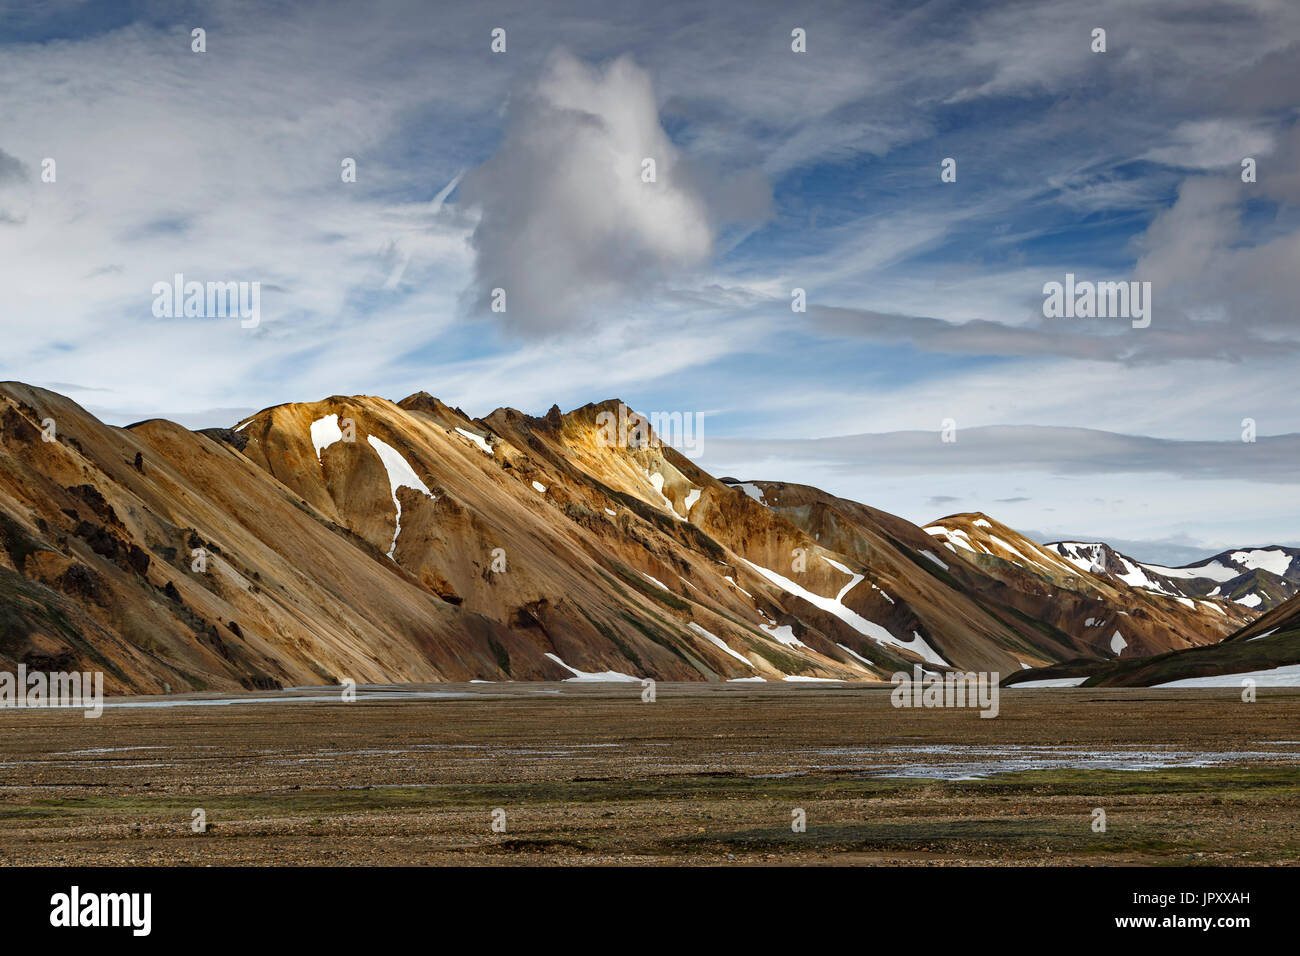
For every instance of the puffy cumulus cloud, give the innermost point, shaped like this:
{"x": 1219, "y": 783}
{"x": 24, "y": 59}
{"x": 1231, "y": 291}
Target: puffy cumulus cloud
{"x": 568, "y": 223}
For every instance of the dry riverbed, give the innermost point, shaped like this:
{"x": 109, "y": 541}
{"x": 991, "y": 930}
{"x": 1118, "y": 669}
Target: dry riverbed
{"x": 707, "y": 774}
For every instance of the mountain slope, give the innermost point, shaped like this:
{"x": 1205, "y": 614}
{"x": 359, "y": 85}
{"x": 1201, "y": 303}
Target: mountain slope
{"x": 358, "y": 538}
{"x": 1107, "y": 615}
{"x": 1267, "y": 650}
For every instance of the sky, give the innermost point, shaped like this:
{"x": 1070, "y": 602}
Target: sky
{"x": 775, "y": 169}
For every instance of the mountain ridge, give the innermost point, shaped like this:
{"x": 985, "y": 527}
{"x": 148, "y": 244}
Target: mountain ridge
{"x": 1259, "y": 578}
{"x": 381, "y": 541}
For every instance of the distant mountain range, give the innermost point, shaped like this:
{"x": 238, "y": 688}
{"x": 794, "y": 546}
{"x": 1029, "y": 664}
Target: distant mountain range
{"x": 1257, "y": 578}
{"x": 359, "y": 538}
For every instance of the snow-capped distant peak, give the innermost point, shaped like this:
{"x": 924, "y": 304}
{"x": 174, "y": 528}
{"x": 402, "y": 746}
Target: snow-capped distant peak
{"x": 1217, "y": 576}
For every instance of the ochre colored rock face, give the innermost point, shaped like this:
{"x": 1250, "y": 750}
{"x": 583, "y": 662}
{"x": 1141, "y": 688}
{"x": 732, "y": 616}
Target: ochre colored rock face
{"x": 358, "y": 538}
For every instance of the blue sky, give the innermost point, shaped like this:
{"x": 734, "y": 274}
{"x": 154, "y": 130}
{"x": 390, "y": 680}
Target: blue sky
{"x": 776, "y": 170}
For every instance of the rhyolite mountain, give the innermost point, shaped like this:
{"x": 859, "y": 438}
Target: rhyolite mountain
{"x": 359, "y": 538}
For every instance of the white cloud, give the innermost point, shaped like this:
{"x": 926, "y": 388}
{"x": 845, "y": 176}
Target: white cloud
{"x": 567, "y": 223}
{"x": 1213, "y": 143}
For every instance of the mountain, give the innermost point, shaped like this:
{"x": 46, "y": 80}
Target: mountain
{"x": 358, "y": 538}
{"x": 1256, "y": 578}
{"x": 1112, "y": 618}
{"x": 1266, "y": 650}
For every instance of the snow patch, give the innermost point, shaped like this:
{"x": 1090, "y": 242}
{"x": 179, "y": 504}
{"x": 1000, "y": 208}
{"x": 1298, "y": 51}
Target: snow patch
{"x": 846, "y": 648}
{"x": 849, "y": 617}
{"x": 592, "y": 676}
{"x": 1285, "y": 676}
{"x": 855, "y": 578}
{"x": 400, "y": 475}
{"x": 478, "y": 440}
{"x": 718, "y": 642}
{"x": 784, "y": 634}
{"x": 738, "y": 587}
{"x": 954, "y": 536}
{"x": 1213, "y": 570}
{"x": 1006, "y": 547}
{"x": 1052, "y": 682}
{"x": 324, "y": 432}
{"x": 792, "y": 678}
{"x": 1275, "y": 562}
